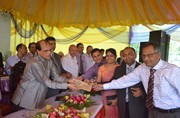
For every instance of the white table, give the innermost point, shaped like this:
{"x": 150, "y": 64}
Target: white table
{"x": 51, "y": 101}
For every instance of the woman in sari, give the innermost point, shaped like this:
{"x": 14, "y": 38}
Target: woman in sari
{"x": 105, "y": 74}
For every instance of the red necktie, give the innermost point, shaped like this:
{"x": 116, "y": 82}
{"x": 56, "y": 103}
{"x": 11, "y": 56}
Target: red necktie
{"x": 149, "y": 98}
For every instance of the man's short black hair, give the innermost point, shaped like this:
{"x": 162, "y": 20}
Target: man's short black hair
{"x": 155, "y": 45}
{"x": 78, "y": 44}
{"x": 95, "y": 50}
{"x": 29, "y": 46}
{"x": 50, "y": 38}
{"x": 19, "y": 46}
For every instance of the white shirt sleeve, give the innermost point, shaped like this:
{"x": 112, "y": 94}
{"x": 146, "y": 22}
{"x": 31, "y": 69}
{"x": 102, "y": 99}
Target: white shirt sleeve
{"x": 124, "y": 81}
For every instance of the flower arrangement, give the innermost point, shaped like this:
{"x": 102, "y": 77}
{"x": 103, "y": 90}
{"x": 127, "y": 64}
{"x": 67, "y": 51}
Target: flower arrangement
{"x": 62, "y": 111}
{"x": 78, "y": 101}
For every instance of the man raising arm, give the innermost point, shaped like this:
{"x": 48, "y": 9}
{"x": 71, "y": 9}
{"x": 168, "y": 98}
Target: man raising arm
{"x": 161, "y": 82}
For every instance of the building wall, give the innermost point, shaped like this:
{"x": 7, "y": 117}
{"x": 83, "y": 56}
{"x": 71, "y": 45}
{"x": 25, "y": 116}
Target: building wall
{"x": 4, "y": 32}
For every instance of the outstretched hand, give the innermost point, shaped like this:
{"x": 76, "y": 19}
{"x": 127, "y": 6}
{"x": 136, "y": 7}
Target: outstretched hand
{"x": 72, "y": 81}
{"x": 98, "y": 87}
{"x": 80, "y": 78}
{"x": 72, "y": 87}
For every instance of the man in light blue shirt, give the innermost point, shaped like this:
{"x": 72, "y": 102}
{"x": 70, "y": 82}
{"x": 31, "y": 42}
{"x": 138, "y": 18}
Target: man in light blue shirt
{"x": 12, "y": 60}
{"x": 166, "y": 90}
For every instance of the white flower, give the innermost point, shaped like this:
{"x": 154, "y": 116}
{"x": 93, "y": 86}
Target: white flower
{"x": 84, "y": 109}
{"x": 44, "y": 115}
{"x": 61, "y": 113}
{"x": 56, "y": 109}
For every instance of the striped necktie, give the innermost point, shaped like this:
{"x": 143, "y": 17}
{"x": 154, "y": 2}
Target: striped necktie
{"x": 149, "y": 98}
{"x": 129, "y": 70}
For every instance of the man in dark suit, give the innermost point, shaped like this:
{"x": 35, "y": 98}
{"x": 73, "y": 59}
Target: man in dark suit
{"x": 131, "y": 101}
{"x": 57, "y": 62}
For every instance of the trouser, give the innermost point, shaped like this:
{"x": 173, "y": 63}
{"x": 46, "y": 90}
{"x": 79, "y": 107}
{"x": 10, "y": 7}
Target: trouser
{"x": 127, "y": 111}
{"x": 159, "y": 114}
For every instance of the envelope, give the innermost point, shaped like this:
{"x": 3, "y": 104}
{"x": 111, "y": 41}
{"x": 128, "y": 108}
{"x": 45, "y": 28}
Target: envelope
{"x": 83, "y": 85}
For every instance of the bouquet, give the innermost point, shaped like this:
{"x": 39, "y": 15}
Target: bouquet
{"x": 78, "y": 101}
{"x": 62, "y": 111}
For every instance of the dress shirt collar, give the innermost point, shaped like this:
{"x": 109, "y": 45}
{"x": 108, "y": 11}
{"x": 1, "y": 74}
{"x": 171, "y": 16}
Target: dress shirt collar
{"x": 71, "y": 56}
{"x": 31, "y": 55}
{"x": 41, "y": 58}
{"x": 158, "y": 65}
{"x": 17, "y": 58}
{"x": 132, "y": 66}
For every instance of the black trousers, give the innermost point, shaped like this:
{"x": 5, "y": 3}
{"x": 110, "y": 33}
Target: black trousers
{"x": 127, "y": 111}
{"x": 157, "y": 114}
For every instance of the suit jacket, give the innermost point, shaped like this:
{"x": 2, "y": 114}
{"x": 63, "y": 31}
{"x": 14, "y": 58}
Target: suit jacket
{"x": 137, "y": 107}
{"x": 57, "y": 62}
{"x": 33, "y": 87}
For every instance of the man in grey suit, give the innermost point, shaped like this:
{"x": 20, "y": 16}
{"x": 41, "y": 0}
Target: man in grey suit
{"x": 131, "y": 100}
{"x": 33, "y": 87}
{"x": 57, "y": 62}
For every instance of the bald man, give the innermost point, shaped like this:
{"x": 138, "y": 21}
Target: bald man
{"x": 69, "y": 61}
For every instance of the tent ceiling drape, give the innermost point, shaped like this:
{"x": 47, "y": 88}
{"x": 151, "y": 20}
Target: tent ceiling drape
{"x": 94, "y": 13}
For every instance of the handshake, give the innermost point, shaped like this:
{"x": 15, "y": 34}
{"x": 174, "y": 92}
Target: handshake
{"x": 76, "y": 84}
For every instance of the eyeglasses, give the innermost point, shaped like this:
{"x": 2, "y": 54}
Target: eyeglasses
{"x": 148, "y": 55}
{"x": 46, "y": 51}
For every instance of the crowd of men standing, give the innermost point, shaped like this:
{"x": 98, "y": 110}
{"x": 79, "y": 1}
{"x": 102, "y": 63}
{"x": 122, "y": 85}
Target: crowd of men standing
{"x": 147, "y": 90}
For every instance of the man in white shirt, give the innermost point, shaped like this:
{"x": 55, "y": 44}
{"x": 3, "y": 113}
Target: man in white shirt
{"x": 165, "y": 88}
{"x": 32, "y": 50}
{"x": 69, "y": 61}
{"x": 88, "y": 60}
{"x": 12, "y": 60}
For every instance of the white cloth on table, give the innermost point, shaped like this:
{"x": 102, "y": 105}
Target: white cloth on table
{"x": 51, "y": 101}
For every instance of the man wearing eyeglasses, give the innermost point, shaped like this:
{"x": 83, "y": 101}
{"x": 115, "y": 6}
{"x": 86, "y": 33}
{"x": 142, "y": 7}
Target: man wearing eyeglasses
{"x": 31, "y": 91}
{"x": 161, "y": 82}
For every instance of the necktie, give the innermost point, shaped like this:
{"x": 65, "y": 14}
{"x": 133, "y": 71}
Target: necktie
{"x": 149, "y": 98}
{"x": 81, "y": 65}
{"x": 129, "y": 69}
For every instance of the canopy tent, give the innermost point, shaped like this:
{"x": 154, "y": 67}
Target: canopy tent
{"x": 88, "y": 21}
{"x": 94, "y": 13}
